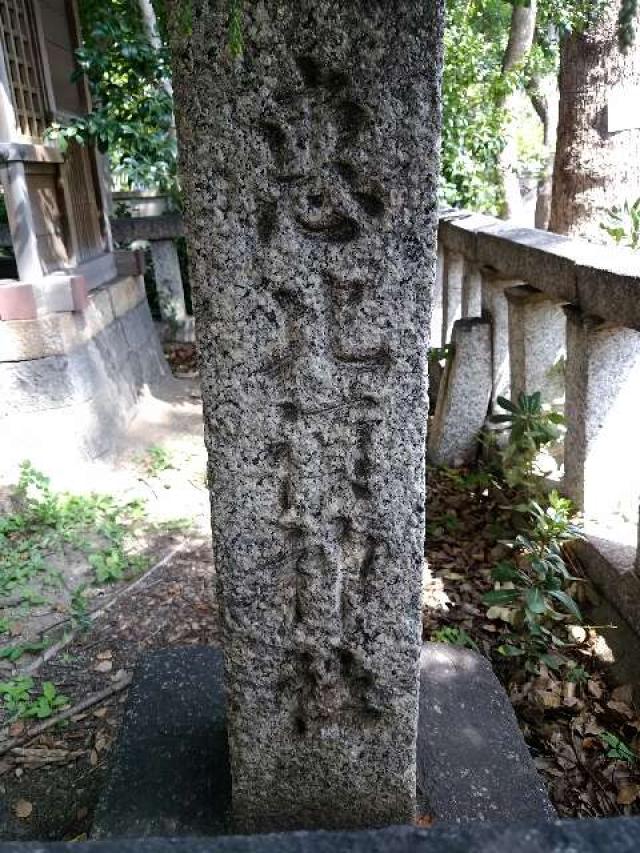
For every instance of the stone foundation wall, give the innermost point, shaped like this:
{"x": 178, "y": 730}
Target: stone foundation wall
{"x": 69, "y": 383}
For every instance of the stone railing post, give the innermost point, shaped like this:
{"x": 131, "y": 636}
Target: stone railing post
{"x": 471, "y": 291}
{"x": 463, "y": 396}
{"x": 453, "y": 272}
{"x": 602, "y": 451}
{"x": 495, "y": 306}
{"x": 169, "y": 287}
{"x": 537, "y": 344}
{"x": 435, "y": 338}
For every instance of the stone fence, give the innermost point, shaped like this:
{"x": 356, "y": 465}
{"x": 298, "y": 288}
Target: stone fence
{"x": 523, "y": 310}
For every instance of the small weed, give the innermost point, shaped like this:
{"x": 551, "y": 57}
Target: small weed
{"x": 454, "y": 636}
{"x": 535, "y": 583}
{"x": 448, "y": 522}
{"x": 617, "y": 748}
{"x": 172, "y": 525}
{"x": 80, "y": 609}
{"x": 531, "y": 427}
{"x": 49, "y": 523}
{"x": 156, "y": 460}
{"x": 15, "y": 652}
{"x": 577, "y": 674}
{"x": 20, "y": 704}
{"x": 440, "y": 353}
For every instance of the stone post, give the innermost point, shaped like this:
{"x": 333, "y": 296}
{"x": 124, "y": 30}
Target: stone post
{"x": 309, "y": 169}
{"x": 463, "y": 396}
{"x": 435, "y": 339}
{"x": 495, "y": 307}
{"x": 471, "y": 291}
{"x": 168, "y": 277}
{"x": 602, "y": 452}
{"x": 453, "y": 272}
{"x": 537, "y": 344}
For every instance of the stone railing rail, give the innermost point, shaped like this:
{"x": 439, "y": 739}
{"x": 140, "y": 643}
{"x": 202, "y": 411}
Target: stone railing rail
{"x": 151, "y": 228}
{"x": 527, "y": 310}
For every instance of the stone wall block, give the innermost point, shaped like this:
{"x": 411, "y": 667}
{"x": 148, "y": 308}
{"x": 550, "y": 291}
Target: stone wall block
{"x": 435, "y": 339}
{"x": 17, "y": 301}
{"x": 495, "y": 307}
{"x": 169, "y": 288}
{"x": 471, "y": 291}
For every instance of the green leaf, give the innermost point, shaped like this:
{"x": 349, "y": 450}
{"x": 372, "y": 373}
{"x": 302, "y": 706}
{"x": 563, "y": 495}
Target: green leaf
{"x": 535, "y": 600}
{"x": 509, "y": 651}
{"x": 507, "y": 405}
{"x": 504, "y": 571}
{"x": 48, "y": 690}
{"x": 500, "y": 596}
{"x": 567, "y": 602}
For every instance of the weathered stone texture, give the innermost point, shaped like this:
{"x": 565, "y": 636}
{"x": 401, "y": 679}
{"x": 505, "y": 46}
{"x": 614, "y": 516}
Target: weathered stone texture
{"x": 169, "y": 289}
{"x": 309, "y": 168}
{"x": 619, "y": 834}
{"x": 496, "y": 307}
{"x": 453, "y": 276}
{"x": 82, "y": 398}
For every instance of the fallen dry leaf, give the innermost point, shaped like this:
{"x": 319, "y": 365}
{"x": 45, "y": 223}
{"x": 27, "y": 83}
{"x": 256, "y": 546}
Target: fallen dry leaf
{"x": 628, "y": 794}
{"x": 103, "y": 666}
{"x": 23, "y": 809}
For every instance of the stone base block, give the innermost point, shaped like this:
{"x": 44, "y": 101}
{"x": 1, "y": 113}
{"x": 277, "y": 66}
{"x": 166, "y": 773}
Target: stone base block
{"x": 473, "y": 764}
{"x": 170, "y": 774}
{"x": 611, "y": 567}
{"x": 17, "y": 301}
{"x": 621, "y": 835}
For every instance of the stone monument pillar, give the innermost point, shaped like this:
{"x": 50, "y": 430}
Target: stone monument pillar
{"x": 309, "y": 168}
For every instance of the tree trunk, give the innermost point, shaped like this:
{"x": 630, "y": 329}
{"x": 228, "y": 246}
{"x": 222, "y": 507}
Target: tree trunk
{"x": 543, "y": 93}
{"x": 596, "y": 166}
{"x": 151, "y": 28}
{"x": 521, "y": 33}
{"x": 309, "y": 167}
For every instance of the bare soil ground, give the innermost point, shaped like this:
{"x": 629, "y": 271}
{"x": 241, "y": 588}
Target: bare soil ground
{"x": 49, "y": 784}
{"x": 56, "y": 780}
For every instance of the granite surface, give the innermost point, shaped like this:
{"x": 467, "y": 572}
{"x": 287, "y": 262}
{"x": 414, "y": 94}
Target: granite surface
{"x": 309, "y": 168}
